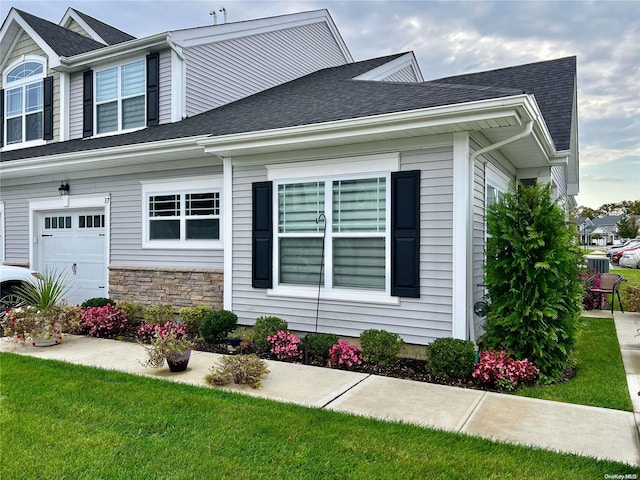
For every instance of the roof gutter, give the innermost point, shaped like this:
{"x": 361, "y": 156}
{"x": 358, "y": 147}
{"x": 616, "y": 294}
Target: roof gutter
{"x": 528, "y": 129}
{"x": 114, "y": 51}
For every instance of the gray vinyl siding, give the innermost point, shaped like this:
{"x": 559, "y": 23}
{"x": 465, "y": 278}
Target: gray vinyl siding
{"x": 417, "y": 320}
{"x": 405, "y": 75}
{"x": 16, "y": 223}
{"x": 479, "y": 232}
{"x": 24, "y": 46}
{"x": 559, "y": 177}
{"x": 221, "y": 72}
{"x": 126, "y": 218}
{"x": 165, "y": 86}
{"x": 75, "y": 105}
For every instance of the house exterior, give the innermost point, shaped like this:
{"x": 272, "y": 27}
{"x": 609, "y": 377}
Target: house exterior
{"x": 346, "y": 196}
{"x": 600, "y": 230}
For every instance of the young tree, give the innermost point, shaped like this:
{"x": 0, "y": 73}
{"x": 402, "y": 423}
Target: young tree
{"x": 532, "y": 279}
{"x": 627, "y": 227}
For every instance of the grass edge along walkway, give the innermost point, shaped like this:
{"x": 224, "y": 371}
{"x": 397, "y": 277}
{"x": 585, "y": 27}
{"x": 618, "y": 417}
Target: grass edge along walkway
{"x": 600, "y": 379}
{"x": 68, "y": 421}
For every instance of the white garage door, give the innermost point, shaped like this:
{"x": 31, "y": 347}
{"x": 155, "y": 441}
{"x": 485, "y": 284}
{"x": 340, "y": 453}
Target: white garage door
{"x": 74, "y": 242}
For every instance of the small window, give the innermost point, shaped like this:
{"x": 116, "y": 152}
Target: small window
{"x": 57, "y": 223}
{"x": 187, "y": 216}
{"x": 90, "y": 221}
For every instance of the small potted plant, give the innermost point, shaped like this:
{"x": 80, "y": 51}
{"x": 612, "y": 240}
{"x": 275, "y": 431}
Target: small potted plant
{"x": 44, "y": 315}
{"x": 170, "y": 343}
{"x": 239, "y": 338}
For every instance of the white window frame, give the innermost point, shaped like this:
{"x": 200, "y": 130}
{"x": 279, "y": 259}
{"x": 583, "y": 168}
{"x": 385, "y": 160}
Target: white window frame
{"x": 23, "y": 83}
{"x": 119, "y": 98}
{"x": 328, "y": 171}
{"x": 182, "y": 187}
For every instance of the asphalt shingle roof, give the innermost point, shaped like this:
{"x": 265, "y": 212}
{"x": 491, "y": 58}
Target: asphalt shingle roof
{"x": 551, "y": 82}
{"x": 110, "y": 34}
{"x": 324, "y": 96}
{"x": 63, "y": 41}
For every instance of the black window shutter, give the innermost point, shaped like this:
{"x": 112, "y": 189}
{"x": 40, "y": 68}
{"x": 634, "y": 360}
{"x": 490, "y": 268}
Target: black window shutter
{"x": 87, "y": 104}
{"x": 153, "y": 89}
{"x": 405, "y": 234}
{"x": 1, "y": 117}
{"x": 47, "y": 121}
{"x": 262, "y": 238}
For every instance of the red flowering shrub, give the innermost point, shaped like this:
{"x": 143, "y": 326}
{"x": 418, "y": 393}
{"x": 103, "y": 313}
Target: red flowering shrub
{"x": 344, "y": 354}
{"x": 591, "y": 300}
{"x": 146, "y": 332}
{"x": 285, "y": 346}
{"x": 501, "y": 370}
{"x": 107, "y": 321}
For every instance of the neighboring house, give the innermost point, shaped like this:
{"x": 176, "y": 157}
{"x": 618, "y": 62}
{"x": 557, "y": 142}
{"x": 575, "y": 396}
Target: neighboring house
{"x": 585, "y": 227}
{"x": 360, "y": 170}
{"x": 599, "y": 231}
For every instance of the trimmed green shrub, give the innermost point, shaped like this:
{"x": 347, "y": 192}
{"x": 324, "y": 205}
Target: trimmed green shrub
{"x": 532, "y": 278}
{"x": 451, "y": 357}
{"x": 319, "y": 344}
{"x": 264, "y": 327}
{"x": 160, "y": 314}
{"x": 380, "y": 346}
{"x": 134, "y": 312}
{"x": 98, "y": 302}
{"x": 217, "y": 324}
{"x": 193, "y": 316}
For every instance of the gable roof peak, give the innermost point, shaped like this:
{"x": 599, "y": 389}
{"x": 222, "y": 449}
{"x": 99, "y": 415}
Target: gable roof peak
{"x": 106, "y": 33}
{"x": 62, "y": 41}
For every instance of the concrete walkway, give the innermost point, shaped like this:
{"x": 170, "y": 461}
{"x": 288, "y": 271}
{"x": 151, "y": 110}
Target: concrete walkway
{"x": 589, "y": 431}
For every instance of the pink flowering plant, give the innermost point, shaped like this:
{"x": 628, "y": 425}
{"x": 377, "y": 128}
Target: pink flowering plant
{"x": 107, "y": 321}
{"x": 285, "y": 346}
{"x": 146, "y": 332}
{"x": 169, "y": 341}
{"x": 343, "y": 354}
{"x": 27, "y": 324}
{"x": 499, "y": 369}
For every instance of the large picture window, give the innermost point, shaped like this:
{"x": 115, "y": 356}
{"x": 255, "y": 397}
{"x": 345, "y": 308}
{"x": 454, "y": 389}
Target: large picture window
{"x": 120, "y": 97}
{"x": 356, "y": 238}
{"x": 183, "y": 214}
{"x": 23, "y": 101}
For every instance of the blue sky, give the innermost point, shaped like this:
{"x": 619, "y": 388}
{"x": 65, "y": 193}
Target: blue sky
{"x": 451, "y": 38}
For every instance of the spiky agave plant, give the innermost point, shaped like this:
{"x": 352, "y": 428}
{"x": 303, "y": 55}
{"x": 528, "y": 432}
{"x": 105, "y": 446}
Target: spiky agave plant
{"x": 46, "y": 291}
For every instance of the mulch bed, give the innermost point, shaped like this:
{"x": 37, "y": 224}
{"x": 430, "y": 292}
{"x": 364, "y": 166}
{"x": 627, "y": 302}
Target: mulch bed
{"x": 403, "y": 368}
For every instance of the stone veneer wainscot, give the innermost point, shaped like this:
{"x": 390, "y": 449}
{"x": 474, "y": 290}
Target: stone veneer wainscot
{"x": 180, "y": 287}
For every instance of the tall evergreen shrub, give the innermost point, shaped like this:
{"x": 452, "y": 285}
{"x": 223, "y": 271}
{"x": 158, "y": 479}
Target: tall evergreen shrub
{"x": 532, "y": 278}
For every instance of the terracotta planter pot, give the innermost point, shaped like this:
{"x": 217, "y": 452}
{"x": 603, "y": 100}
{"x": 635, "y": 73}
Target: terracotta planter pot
{"x": 178, "y": 363}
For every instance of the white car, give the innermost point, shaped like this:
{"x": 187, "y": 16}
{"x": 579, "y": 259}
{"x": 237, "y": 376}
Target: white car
{"x": 631, "y": 259}
{"x": 10, "y": 279}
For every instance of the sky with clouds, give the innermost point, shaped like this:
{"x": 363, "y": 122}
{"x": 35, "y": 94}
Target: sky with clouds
{"x": 451, "y": 38}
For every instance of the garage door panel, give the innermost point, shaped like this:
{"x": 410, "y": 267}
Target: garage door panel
{"x": 74, "y": 243}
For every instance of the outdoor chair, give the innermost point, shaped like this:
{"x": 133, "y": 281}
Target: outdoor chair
{"x": 609, "y": 284}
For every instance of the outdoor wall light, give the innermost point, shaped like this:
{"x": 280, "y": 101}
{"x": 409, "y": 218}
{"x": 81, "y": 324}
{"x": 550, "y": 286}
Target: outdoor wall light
{"x": 63, "y": 189}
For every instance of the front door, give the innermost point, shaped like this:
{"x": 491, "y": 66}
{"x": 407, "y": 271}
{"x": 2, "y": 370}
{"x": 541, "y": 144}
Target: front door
{"x": 73, "y": 242}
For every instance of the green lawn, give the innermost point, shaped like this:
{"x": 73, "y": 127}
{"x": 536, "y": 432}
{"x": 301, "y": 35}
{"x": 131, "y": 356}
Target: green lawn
{"x": 61, "y": 421}
{"x": 600, "y": 379}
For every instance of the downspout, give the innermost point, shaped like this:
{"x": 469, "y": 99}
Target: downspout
{"x": 472, "y": 158}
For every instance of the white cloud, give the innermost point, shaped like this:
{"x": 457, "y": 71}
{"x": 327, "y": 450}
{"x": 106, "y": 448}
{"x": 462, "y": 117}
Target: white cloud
{"x": 597, "y": 154}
